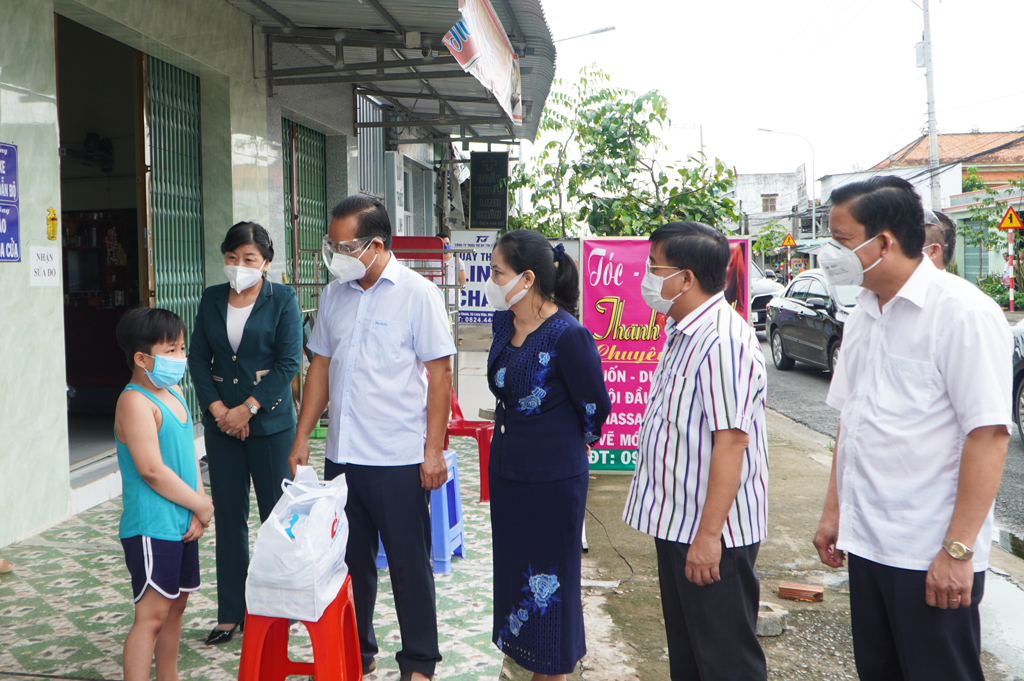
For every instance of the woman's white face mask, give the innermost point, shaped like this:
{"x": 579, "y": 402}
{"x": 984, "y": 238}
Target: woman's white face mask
{"x": 496, "y": 294}
{"x": 242, "y": 278}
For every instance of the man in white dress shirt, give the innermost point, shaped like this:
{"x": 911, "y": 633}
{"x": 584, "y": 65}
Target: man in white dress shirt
{"x": 923, "y": 387}
{"x": 380, "y": 329}
{"x": 454, "y": 271}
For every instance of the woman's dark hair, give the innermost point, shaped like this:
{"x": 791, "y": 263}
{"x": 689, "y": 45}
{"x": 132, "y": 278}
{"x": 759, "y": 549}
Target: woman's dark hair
{"x": 142, "y": 328}
{"x": 696, "y": 247}
{"x": 553, "y": 269}
{"x": 245, "y": 233}
{"x": 371, "y": 216}
{"x": 886, "y": 202}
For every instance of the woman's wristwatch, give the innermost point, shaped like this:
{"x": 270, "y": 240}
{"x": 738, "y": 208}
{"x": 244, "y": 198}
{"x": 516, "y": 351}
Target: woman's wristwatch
{"x": 252, "y": 409}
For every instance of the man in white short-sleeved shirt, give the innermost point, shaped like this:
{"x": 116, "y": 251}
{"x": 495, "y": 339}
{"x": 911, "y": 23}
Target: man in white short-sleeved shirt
{"x": 380, "y": 329}
{"x": 923, "y": 390}
{"x": 454, "y": 272}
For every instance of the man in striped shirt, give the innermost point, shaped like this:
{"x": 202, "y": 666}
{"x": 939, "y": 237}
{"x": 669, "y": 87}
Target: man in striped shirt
{"x": 701, "y": 482}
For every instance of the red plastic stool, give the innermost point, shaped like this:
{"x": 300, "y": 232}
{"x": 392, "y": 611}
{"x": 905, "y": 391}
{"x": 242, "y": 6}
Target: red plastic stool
{"x": 482, "y": 431}
{"x": 335, "y": 645}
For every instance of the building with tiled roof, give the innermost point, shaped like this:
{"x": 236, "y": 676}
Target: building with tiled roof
{"x": 998, "y": 156}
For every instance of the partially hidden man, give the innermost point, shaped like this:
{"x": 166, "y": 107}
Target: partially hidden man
{"x": 923, "y": 391}
{"x": 701, "y": 481}
{"x": 380, "y": 330}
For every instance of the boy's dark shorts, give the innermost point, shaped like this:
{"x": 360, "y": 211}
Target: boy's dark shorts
{"x": 170, "y": 567}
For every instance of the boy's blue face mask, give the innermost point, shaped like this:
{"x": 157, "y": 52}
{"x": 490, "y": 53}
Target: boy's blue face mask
{"x": 166, "y": 370}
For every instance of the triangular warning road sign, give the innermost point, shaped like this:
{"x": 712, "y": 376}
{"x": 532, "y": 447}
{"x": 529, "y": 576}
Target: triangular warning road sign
{"x": 788, "y": 241}
{"x": 1011, "y": 220}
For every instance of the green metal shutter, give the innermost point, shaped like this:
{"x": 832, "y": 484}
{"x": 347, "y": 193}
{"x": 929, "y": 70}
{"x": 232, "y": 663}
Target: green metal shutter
{"x": 176, "y": 195}
{"x": 311, "y": 159}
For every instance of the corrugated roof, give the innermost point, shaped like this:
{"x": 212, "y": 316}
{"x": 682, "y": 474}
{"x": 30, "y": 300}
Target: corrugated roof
{"x": 433, "y": 17}
{"x": 977, "y": 147}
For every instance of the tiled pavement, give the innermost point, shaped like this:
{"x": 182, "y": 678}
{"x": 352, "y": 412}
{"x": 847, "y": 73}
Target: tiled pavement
{"x": 67, "y": 608}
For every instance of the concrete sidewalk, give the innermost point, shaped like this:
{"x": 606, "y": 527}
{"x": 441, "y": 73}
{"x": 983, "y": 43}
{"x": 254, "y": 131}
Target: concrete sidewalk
{"x": 625, "y": 634}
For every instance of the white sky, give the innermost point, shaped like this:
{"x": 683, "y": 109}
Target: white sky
{"x": 839, "y": 72}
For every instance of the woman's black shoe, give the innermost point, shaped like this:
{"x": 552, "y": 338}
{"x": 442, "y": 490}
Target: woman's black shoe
{"x": 218, "y": 636}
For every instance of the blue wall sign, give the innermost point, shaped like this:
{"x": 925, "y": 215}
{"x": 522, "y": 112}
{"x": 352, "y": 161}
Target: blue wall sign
{"x": 10, "y": 249}
{"x": 10, "y": 233}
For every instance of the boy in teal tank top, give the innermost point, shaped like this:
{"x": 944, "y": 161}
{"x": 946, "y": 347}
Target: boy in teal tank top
{"x": 165, "y": 505}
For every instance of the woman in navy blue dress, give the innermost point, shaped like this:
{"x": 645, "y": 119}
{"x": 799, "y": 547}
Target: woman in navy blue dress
{"x": 545, "y": 372}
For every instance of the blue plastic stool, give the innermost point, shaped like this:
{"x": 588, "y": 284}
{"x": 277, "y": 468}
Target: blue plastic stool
{"x": 447, "y": 535}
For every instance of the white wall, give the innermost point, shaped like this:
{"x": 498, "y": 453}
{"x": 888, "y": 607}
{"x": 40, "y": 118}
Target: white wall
{"x": 950, "y": 181}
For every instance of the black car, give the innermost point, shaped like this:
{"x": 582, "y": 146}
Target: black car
{"x": 763, "y": 287}
{"x": 1018, "y": 376}
{"x": 805, "y": 322}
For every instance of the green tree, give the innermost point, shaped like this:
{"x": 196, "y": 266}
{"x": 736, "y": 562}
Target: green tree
{"x": 770, "y": 237}
{"x": 972, "y": 181}
{"x": 599, "y": 167}
{"x": 981, "y": 228}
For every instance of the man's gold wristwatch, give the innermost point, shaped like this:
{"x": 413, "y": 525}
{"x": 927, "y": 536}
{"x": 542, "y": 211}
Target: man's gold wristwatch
{"x": 956, "y": 550}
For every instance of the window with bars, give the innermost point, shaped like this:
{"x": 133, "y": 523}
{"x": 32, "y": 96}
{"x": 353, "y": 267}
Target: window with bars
{"x": 370, "y": 142}
{"x": 305, "y": 178}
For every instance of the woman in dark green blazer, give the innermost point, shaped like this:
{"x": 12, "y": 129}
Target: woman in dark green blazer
{"x": 245, "y": 351}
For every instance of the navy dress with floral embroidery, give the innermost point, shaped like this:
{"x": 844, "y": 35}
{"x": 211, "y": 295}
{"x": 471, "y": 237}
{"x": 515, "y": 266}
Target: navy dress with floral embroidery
{"x": 552, "y": 402}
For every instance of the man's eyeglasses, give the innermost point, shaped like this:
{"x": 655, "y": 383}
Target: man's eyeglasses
{"x": 351, "y": 247}
{"x": 651, "y": 268}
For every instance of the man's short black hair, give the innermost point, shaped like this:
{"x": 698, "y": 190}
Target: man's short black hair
{"x": 886, "y": 202}
{"x": 696, "y": 247}
{"x": 371, "y": 216}
{"x": 142, "y": 328}
{"x": 443, "y": 235}
{"x": 948, "y": 237}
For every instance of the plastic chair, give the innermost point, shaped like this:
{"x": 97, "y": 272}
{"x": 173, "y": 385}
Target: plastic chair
{"x": 447, "y": 531}
{"x": 482, "y": 431}
{"x": 334, "y": 638}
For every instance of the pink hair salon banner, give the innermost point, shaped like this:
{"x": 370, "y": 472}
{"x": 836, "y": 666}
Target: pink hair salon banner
{"x": 630, "y": 335}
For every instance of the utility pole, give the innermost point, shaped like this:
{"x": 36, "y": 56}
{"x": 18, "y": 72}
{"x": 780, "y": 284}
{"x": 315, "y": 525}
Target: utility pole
{"x": 933, "y": 132}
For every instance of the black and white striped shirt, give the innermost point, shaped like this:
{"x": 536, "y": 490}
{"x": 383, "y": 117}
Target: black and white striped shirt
{"x": 711, "y": 376}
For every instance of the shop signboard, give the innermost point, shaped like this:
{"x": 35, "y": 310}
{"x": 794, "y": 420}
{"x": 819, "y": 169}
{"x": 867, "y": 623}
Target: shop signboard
{"x": 630, "y": 335}
{"x": 488, "y": 190}
{"x": 480, "y": 45}
{"x": 10, "y": 232}
{"x": 473, "y": 307}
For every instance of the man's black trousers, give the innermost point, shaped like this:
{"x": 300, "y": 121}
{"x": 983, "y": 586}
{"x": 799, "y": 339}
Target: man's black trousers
{"x": 899, "y": 637}
{"x": 712, "y": 630}
{"x": 391, "y": 501}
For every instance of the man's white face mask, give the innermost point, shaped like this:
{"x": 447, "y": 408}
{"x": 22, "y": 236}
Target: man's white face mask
{"x": 841, "y": 264}
{"x": 342, "y": 259}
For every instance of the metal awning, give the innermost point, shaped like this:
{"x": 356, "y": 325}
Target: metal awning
{"x": 391, "y": 50}
{"x": 808, "y": 245}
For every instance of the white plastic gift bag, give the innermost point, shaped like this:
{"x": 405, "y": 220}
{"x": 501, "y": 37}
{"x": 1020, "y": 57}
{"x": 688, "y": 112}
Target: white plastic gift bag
{"x": 298, "y": 564}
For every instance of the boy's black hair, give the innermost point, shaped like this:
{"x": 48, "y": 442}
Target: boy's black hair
{"x": 142, "y": 328}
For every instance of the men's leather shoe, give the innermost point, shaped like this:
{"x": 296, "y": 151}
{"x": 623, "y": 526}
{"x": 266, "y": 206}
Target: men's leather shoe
{"x": 370, "y": 668}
